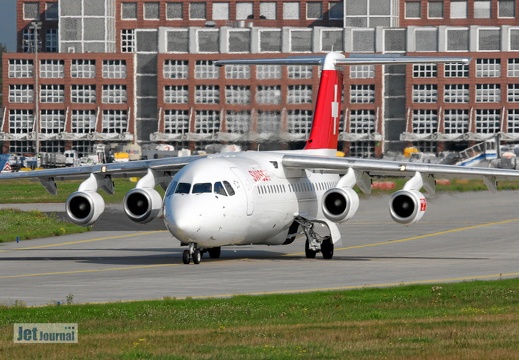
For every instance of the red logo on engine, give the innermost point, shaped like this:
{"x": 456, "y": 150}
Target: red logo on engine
{"x": 423, "y": 204}
{"x": 259, "y": 175}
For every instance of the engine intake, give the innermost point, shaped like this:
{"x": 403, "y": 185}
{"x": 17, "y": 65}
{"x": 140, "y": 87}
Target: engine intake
{"x": 84, "y": 207}
{"x": 407, "y": 206}
{"x": 340, "y": 204}
{"x": 142, "y": 205}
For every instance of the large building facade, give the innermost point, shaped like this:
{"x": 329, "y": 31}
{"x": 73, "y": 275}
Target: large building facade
{"x": 141, "y": 71}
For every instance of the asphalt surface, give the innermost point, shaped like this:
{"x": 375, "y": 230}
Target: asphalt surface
{"x": 461, "y": 237}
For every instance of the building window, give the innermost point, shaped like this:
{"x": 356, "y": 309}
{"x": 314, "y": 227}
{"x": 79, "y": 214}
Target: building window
{"x": 506, "y": 8}
{"x": 21, "y": 93}
{"x": 413, "y": 10}
{"x": 239, "y": 41}
{"x": 31, "y": 11}
{"x": 363, "y": 149}
{"x": 115, "y": 121}
{"x": 362, "y": 121}
{"x": 114, "y": 94}
{"x": 513, "y": 121}
{"x": 300, "y": 41}
{"x": 207, "y": 122}
{"x": 299, "y": 72}
{"x": 265, "y": 72}
{"x": 220, "y": 11}
{"x": 456, "y": 93}
{"x": 362, "y": 71}
{"x": 29, "y": 40}
{"x": 457, "y": 40}
{"x": 238, "y": 122}
{"x": 208, "y": 41}
{"x": 20, "y": 68}
{"x": 336, "y": 10}
{"x": 489, "y": 39}
{"x": 513, "y": 93}
{"x": 52, "y": 69}
{"x": 425, "y": 70}
{"x": 20, "y": 121}
{"x": 83, "y": 121}
{"x": 174, "y": 11}
{"x": 488, "y": 121}
{"x": 152, "y": 11}
{"x": 270, "y": 40}
{"x": 244, "y": 10}
{"x": 268, "y": 95}
{"x": 176, "y": 69}
{"x": 237, "y": 71}
{"x": 51, "y": 11}
{"x": 290, "y": 10}
{"x": 362, "y": 94}
{"x": 425, "y": 93}
{"x": 176, "y": 122}
{"x": 459, "y": 9}
{"x": 204, "y": 69}
{"x": 83, "y": 94}
{"x": 395, "y": 40}
{"x": 513, "y": 67}
{"x": 197, "y": 11}
{"x": 482, "y": 9}
{"x": 486, "y": 93}
{"x": 52, "y": 93}
{"x": 426, "y": 40}
{"x": 435, "y": 9}
{"x": 299, "y": 94}
{"x": 456, "y": 70}
{"x": 51, "y": 40}
{"x": 332, "y": 40}
{"x": 178, "y": 41}
{"x": 314, "y": 10}
{"x": 52, "y": 121}
{"x": 129, "y": 11}
{"x": 268, "y": 10}
{"x": 237, "y": 94}
{"x": 299, "y": 121}
{"x": 52, "y": 146}
{"x": 456, "y": 121}
{"x": 207, "y": 94}
{"x": 425, "y": 121}
{"x": 114, "y": 69}
{"x": 128, "y": 40}
{"x": 488, "y": 68}
{"x": 178, "y": 94}
{"x": 83, "y": 69}
{"x": 269, "y": 122}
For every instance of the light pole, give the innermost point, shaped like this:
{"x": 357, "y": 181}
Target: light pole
{"x": 36, "y": 26}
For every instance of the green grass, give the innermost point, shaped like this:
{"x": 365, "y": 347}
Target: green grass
{"x": 33, "y": 224}
{"x": 464, "y": 320}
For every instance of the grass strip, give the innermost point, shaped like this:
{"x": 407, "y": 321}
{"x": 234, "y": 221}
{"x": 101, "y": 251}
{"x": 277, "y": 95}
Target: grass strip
{"x": 469, "y": 320}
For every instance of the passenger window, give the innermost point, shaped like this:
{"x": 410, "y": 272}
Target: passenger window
{"x": 229, "y": 188}
{"x": 202, "y": 188}
{"x": 171, "y": 188}
{"x": 183, "y": 188}
{"x": 219, "y": 189}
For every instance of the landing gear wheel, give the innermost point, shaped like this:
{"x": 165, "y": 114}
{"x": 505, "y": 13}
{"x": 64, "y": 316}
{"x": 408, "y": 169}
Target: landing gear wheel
{"x": 327, "y": 248}
{"x": 310, "y": 254}
{"x": 214, "y": 253}
{"x": 186, "y": 258}
{"x": 197, "y": 256}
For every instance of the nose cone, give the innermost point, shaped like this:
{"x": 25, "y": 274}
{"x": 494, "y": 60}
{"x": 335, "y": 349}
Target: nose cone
{"x": 180, "y": 216}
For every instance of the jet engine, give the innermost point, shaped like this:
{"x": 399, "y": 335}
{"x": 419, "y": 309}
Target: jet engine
{"x": 84, "y": 207}
{"x": 407, "y": 206}
{"x": 340, "y": 204}
{"x": 142, "y": 205}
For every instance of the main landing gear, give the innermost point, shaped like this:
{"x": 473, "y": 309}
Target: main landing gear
{"x": 316, "y": 243}
{"x": 195, "y": 254}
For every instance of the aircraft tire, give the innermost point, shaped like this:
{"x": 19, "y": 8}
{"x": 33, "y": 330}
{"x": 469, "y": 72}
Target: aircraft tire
{"x": 214, "y": 253}
{"x": 185, "y": 257}
{"x": 327, "y": 248}
{"x": 197, "y": 256}
{"x": 310, "y": 254}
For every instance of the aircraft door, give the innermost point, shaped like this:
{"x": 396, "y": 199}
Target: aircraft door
{"x": 247, "y": 186}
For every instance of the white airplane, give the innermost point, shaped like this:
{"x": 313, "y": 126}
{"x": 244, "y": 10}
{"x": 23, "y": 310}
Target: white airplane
{"x": 263, "y": 197}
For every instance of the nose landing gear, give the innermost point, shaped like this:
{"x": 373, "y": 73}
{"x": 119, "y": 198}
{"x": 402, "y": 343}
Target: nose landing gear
{"x": 192, "y": 253}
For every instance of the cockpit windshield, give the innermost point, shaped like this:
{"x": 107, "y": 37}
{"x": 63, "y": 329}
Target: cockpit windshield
{"x": 183, "y": 188}
{"x": 202, "y": 188}
{"x": 220, "y": 188}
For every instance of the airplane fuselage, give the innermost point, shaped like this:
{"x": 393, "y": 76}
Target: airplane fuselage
{"x": 242, "y": 198}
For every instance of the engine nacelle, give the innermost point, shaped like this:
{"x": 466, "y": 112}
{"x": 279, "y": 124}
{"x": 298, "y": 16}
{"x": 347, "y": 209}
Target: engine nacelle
{"x": 407, "y": 206}
{"x": 142, "y": 205}
{"x": 84, "y": 207}
{"x": 340, "y": 204}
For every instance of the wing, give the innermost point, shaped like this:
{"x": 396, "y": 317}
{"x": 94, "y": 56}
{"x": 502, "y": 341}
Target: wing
{"x": 369, "y": 168}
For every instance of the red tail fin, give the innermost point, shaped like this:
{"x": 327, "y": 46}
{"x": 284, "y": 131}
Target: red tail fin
{"x": 325, "y": 127}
